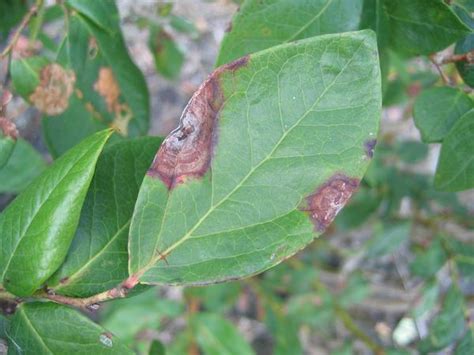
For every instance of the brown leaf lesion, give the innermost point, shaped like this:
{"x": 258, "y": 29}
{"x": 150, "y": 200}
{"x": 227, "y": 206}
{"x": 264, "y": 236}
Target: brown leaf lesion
{"x": 187, "y": 151}
{"x": 108, "y": 87}
{"x": 329, "y": 199}
{"x": 52, "y": 94}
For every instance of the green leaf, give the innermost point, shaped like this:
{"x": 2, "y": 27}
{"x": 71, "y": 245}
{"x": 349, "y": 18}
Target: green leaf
{"x": 11, "y": 13}
{"x": 263, "y": 24}
{"x": 465, "y": 69}
{"x": 423, "y": 26}
{"x": 284, "y": 330}
{"x": 436, "y": 111}
{"x": 98, "y": 257}
{"x": 48, "y": 328}
{"x": 356, "y": 290}
{"x": 455, "y": 170}
{"x": 297, "y": 124}
{"x": 38, "y": 226}
{"x": 375, "y": 17}
{"x": 466, "y": 344}
{"x": 411, "y": 152}
{"x": 448, "y": 324}
{"x": 216, "y": 335}
{"x": 427, "y": 263}
{"x": 109, "y": 89}
{"x": 157, "y": 348}
{"x": 7, "y": 146}
{"x": 4, "y": 324}
{"x": 388, "y": 238}
{"x": 183, "y": 25}
{"x": 466, "y": 4}
{"x": 25, "y": 74}
{"x": 463, "y": 255}
{"x": 24, "y": 165}
{"x": 127, "y": 317}
{"x": 216, "y": 298}
{"x": 168, "y": 57}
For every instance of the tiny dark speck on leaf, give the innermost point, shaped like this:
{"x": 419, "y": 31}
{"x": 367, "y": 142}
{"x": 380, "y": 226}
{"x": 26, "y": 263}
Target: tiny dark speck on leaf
{"x": 369, "y": 147}
{"x": 64, "y": 280}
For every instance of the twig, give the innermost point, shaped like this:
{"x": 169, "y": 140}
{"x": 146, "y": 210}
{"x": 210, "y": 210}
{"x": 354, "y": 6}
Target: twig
{"x": 440, "y": 71}
{"x": 92, "y": 302}
{"x": 453, "y": 58}
{"x": 26, "y": 19}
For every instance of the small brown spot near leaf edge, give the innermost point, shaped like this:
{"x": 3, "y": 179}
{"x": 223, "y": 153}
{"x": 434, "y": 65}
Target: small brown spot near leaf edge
{"x": 329, "y": 198}
{"x": 369, "y": 147}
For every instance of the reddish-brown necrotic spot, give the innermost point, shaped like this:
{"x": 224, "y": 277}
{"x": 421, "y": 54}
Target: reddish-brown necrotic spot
{"x": 187, "y": 151}
{"x": 369, "y": 147}
{"x": 329, "y": 199}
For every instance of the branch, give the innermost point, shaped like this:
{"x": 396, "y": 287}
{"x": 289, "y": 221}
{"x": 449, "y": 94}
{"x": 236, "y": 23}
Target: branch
{"x": 439, "y": 69}
{"x": 92, "y": 303}
{"x": 26, "y": 19}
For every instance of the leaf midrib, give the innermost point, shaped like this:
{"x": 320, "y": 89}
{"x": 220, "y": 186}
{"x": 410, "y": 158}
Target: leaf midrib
{"x": 154, "y": 259}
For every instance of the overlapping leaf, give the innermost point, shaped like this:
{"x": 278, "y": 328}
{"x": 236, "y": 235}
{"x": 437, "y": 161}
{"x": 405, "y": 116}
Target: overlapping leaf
{"x": 38, "y": 226}
{"x": 263, "y": 24}
{"x": 47, "y": 328}
{"x": 423, "y": 26}
{"x": 98, "y": 257}
{"x": 294, "y": 131}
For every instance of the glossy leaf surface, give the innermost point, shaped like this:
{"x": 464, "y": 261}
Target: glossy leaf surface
{"x": 38, "y": 226}
{"x": 48, "y": 328}
{"x": 263, "y": 24}
{"x": 293, "y": 132}
{"x": 98, "y": 257}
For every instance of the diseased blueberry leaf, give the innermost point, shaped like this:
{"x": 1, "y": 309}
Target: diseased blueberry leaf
{"x": 269, "y": 149}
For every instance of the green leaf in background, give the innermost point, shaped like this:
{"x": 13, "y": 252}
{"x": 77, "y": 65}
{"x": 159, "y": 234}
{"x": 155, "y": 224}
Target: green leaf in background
{"x": 157, "y": 348}
{"x": 98, "y": 257}
{"x": 4, "y": 324}
{"x": 263, "y": 24}
{"x": 463, "y": 256}
{"x": 7, "y": 146}
{"x": 127, "y": 317}
{"x": 168, "y": 57}
{"x": 109, "y": 88}
{"x": 216, "y": 298}
{"x": 455, "y": 170}
{"x": 38, "y": 226}
{"x": 48, "y": 328}
{"x": 375, "y": 17}
{"x": 284, "y": 330}
{"x": 411, "y": 152}
{"x": 466, "y": 4}
{"x": 24, "y": 165}
{"x": 355, "y": 291}
{"x": 298, "y": 124}
{"x": 466, "y": 344}
{"x": 388, "y": 238}
{"x": 25, "y": 74}
{"x": 465, "y": 69}
{"x": 11, "y": 13}
{"x": 428, "y": 262}
{"x": 423, "y": 26}
{"x": 436, "y": 111}
{"x": 448, "y": 325}
{"x": 364, "y": 204}
{"x": 216, "y": 335}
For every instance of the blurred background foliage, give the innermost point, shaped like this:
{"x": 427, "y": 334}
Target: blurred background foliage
{"x": 394, "y": 274}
